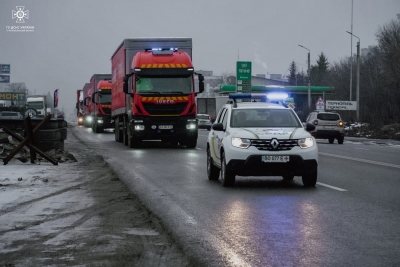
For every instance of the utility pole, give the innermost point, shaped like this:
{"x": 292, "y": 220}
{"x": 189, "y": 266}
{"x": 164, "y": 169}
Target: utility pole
{"x": 309, "y": 78}
{"x": 351, "y": 52}
{"x": 358, "y": 77}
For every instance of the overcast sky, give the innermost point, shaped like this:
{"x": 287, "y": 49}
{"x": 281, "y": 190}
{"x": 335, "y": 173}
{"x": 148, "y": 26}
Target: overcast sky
{"x": 74, "y": 39}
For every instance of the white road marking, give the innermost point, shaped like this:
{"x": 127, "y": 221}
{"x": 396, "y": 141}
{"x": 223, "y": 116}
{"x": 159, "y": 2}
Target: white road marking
{"x": 332, "y": 187}
{"x": 361, "y": 160}
{"x": 198, "y": 148}
{"x": 362, "y": 148}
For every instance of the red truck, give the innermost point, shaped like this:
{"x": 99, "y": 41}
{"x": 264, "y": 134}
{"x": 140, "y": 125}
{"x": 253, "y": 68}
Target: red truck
{"x": 99, "y": 102}
{"x": 79, "y": 106}
{"x": 153, "y": 91}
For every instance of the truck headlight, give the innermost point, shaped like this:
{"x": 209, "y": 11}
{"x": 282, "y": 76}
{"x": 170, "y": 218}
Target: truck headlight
{"x": 99, "y": 121}
{"x": 305, "y": 142}
{"x": 89, "y": 118}
{"x": 139, "y": 127}
{"x": 240, "y": 142}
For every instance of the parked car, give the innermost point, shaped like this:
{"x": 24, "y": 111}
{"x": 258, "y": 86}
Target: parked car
{"x": 328, "y": 125}
{"x": 10, "y": 115}
{"x": 260, "y": 139}
{"x": 204, "y": 121}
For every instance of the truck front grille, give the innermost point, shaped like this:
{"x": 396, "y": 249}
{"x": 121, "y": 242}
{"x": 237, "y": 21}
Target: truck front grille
{"x": 265, "y": 144}
{"x": 164, "y": 109}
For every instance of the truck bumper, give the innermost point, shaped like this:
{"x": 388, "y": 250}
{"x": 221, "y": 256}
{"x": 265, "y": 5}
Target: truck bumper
{"x": 164, "y": 128}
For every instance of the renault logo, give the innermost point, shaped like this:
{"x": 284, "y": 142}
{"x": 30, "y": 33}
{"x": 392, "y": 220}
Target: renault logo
{"x": 274, "y": 143}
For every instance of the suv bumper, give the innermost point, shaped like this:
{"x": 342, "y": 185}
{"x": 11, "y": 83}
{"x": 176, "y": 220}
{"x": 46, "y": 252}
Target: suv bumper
{"x": 327, "y": 134}
{"x": 253, "y": 166}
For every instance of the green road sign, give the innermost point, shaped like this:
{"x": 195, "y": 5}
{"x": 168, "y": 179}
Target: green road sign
{"x": 243, "y": 76}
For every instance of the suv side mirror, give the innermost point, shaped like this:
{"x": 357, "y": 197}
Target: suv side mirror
{"x": 310, "y": 127}
{"x": 217, "y": 127}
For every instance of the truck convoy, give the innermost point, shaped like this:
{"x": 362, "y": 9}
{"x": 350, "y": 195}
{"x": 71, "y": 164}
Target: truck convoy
{"x": 153, "y": 92}
{"x": 87, "y": 119}
{"x": 79, "y": 106}
{"x": 99, "y": 102}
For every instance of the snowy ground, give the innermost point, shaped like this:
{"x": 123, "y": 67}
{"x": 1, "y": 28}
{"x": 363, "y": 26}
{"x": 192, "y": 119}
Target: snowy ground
{"x": 64, "y": 215}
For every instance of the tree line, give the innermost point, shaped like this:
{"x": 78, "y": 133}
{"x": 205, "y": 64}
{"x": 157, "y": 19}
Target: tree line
{"x": 379, "y": 86}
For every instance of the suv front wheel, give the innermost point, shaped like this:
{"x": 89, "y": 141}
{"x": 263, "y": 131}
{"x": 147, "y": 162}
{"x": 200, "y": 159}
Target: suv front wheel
{"x": 212, "y": 171}
{"x": 309, "y": 179}
{"x": 227, "y": 176}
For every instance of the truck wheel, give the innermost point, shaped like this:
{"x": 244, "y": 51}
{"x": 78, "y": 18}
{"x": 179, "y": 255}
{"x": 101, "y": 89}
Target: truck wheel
{"x": 340, "y": 140}
{"x": 117, "y": 131}
{"x": 331, "y": 140}
{"x": 191, "y": 143}
{"x": 125, "y": 132}
{"x": 227, "y": 176}
{"x": 94, "y": 127}
{"x": 309, "y": 179}
{"x": 212, "y": 171}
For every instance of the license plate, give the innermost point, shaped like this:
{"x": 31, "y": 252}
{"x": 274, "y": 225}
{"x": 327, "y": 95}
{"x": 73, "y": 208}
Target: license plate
{"x": 163, "y": 127}
{"x": 275, "y": 158}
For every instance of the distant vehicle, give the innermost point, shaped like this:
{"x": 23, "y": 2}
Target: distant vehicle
{"x": 10, "y": 115}
{"x": 153, "y": 92}
{"x": 87, "y": 119}
{"x": 99, "y": 102}
{"x": 38, "y": 103}
{"x": 204, "y": 121}
{"x": 328, "y": 125}
{"x": 260, "y": 139}
{"x": 79, "y": 106}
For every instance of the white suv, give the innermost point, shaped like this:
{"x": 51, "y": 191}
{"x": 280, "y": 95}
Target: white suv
{"x": 328, "y": 125}
{"x": 260, "y": 139}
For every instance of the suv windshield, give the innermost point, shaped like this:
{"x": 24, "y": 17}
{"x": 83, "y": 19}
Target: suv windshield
{"x": 328, "y": 117}
{"x": 264, "y": 118}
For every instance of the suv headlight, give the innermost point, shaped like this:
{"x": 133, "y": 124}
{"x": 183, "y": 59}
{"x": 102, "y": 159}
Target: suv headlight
{"x": 240, "y": 142}
{"x": 305, "y": 142}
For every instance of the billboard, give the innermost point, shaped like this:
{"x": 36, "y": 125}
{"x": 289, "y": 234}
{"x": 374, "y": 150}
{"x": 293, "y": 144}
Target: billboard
{"x": 5, "y": 68}
{"x": 4, "y": 78}
{"x": 13, "y": 96}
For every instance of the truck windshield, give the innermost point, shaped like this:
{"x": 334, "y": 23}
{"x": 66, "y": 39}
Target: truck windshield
{"x": 35, "y": 104}
{"x": 105, "y": 98}
{"x": 174, "y": 85}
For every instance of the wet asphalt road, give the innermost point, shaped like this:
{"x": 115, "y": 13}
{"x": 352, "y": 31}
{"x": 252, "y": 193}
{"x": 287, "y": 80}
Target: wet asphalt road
{"x": 349, "y": 219}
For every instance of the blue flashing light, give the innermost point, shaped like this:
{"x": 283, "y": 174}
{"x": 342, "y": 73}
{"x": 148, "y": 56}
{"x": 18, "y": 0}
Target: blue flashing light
{"x": 277, "y": 96}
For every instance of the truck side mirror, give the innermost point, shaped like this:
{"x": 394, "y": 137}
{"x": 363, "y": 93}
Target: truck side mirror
{"x": 125, "y": 86}
{"x": 201, "y": 83}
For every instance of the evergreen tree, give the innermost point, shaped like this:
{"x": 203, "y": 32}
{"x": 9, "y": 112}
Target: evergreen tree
{"x": 292, "y": 73}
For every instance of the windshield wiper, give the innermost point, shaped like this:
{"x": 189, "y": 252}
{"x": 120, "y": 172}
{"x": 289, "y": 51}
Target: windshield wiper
{"x": 173, "y": 92}
{"x": 151, "y": 93}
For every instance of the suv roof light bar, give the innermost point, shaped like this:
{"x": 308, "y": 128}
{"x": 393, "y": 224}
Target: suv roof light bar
{"x": 262, "y": 97}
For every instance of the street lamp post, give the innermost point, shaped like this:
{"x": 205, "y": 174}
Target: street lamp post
{"x": 309, "y": 79}
{"x": 358, "y": 77}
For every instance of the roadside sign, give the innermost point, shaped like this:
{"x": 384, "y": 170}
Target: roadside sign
{"x": 4, "y": 78}
{"x": 13, "y": 96}
{"x": 341, "y": 105}
{"x": 320, "y": 105}
{"x": 243, "y": 76}
{"x": 5, "y": 68}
